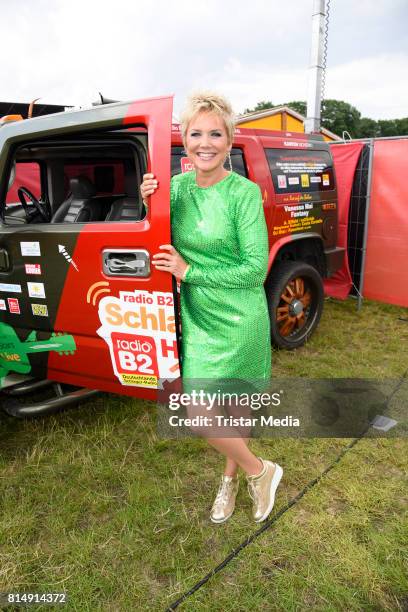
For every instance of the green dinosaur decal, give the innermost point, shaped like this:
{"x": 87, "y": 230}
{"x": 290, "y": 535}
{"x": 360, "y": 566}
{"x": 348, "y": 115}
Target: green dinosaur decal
{"x": 14, "y": 352}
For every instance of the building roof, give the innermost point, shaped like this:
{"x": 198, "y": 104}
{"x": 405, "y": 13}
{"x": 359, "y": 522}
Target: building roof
{"x": 276, "y": 110}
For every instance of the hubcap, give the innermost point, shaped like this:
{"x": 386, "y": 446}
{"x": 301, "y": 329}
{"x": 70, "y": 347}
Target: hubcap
{"x": 293, "y": 310}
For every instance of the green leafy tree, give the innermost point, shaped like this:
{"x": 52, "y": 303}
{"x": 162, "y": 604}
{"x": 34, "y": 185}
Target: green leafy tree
{"x": 402, "y": 126}
{"x": 393, "y": 127}
{"x": 297, "y": 105}
{"x": 368, "y": 128}
{"x": 387, "y": 127}
{"x": 339, "y": 116}
{"x": 260, "y": 106}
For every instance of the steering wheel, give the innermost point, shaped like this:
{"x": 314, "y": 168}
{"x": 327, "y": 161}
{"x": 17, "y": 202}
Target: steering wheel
{"x": 22, "y": 193}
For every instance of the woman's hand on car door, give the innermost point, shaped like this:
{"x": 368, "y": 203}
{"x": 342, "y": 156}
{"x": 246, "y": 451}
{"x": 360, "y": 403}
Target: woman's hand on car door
{"x": 148, "y": 186}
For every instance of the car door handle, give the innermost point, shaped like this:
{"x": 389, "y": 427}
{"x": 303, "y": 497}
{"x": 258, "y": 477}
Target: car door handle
{"x": 126, "y": 262}
{"x": 4, "y": 261}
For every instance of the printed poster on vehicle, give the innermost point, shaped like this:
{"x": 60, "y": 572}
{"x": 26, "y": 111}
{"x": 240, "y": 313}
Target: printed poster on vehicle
{"x": 300, "y": 171}
{"x": 14, "y": 305}
{"x": 32, "y": 268}
{"x": 30, "y": 249}
{"x": 36, "y": 290}
{"x": 304, "y": 180}
{"x": 10, "y": 287}
{"x": 39, "y": 310}
{"x": 140, "y": 331}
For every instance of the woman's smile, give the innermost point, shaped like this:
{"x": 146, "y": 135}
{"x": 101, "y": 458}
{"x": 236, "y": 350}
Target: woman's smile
{"x": 203, "y": 155}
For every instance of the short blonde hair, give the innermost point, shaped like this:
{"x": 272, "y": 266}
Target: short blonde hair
{"x": 208, "y": 102}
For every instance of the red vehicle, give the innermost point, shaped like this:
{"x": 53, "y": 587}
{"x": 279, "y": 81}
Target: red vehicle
{"x": 80, "y": 304}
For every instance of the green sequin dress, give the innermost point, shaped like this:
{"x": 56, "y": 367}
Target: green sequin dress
{"x": 221, "y": 232}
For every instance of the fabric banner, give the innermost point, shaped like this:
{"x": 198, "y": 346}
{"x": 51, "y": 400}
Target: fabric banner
{"x": 27, "y": 175}
{"x": 386, "y": 266}
{"x": 345, "y": 157}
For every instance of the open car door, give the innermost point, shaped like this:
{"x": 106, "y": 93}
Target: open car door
{"x": 80, "y": 302}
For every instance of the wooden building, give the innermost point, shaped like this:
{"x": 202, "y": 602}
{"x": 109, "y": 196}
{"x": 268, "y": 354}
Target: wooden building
{"x": 280, "y": 118}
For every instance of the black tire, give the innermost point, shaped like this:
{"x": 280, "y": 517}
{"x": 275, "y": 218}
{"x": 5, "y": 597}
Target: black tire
{"x": 296, "y": 289}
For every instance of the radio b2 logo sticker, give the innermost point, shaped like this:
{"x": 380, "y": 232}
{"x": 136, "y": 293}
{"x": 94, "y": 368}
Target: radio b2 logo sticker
{"x": 135, "y": 359}
{"x": 139, "y": 328}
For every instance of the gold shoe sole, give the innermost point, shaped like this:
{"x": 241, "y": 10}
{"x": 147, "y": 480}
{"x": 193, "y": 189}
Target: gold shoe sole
{"x": 217, "y": 522}
{"x": 276, "y": 478}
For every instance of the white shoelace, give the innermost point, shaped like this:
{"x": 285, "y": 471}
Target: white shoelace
{"x": 222, "y": 489}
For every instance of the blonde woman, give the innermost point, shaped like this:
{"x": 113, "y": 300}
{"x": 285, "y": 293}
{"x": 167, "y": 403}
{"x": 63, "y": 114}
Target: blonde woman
{"x": 220, "y": 253}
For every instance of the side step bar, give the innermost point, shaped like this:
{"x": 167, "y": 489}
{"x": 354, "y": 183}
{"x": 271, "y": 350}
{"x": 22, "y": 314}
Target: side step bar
{"x": 28, "y": 386}
{"x": 63, "y": 399}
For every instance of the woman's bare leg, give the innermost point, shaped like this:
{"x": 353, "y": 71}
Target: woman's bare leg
{"x": 235, "y": 446}
{"x": 231, "y": 466}
{"x": 237, "y": 452}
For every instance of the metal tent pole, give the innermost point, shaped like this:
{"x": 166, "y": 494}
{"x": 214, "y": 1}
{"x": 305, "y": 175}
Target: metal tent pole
{"x": 314, "y": 94}
{"x": 367, "y": 211}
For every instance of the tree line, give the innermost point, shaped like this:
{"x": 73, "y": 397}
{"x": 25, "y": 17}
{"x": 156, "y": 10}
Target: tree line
{"x": 339, "y": 116}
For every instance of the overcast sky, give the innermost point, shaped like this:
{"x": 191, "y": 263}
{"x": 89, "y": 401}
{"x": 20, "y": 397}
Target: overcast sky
{"x": 65, "y": 51}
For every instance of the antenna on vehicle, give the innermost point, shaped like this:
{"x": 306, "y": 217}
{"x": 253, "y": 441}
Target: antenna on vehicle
{"x": 31, "y": 108}
{"x": 104, "y": 100}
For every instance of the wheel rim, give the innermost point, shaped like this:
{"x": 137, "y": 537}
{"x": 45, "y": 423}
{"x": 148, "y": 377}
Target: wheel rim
{"x": 295, "y": 310}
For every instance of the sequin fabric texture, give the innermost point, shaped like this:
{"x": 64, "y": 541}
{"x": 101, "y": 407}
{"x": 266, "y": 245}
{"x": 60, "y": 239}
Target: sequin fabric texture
{"x": 221, "y": 232}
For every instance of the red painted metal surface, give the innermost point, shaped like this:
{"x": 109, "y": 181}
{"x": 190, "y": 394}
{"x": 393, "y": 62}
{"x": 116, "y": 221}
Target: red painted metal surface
{"x": 77, "y": 314}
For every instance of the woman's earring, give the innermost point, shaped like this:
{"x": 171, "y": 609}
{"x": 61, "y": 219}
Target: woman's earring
{"x": 229, "y": 161}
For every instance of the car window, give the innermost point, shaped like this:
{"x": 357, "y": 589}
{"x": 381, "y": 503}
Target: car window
{"x": 78, "y": 181}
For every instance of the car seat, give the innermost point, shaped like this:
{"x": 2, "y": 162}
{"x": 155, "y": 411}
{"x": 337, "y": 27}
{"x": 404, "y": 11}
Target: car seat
{"x": 79, "y": 206}
{"x": 129, "y": 208}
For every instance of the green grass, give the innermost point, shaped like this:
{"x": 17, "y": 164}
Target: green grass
{"x": 95, "y": 504}
{"x": 370, "y": 343}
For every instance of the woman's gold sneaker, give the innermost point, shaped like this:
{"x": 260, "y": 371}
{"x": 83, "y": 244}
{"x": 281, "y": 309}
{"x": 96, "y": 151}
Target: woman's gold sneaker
{"x": 224, "y": 503}
{"x": 262, "y": 488}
